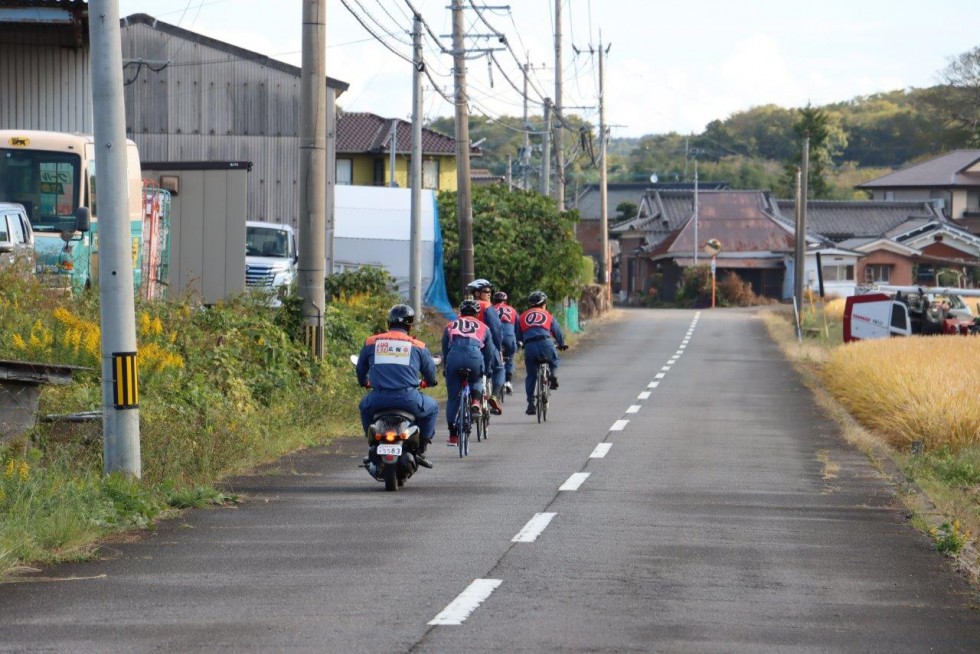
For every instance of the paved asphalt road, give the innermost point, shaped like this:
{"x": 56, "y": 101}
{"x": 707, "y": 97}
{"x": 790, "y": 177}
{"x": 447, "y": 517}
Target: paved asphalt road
{"x": 686, "y": 495}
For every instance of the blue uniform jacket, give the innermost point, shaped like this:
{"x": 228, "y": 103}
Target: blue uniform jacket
{"x": 393, "y": 361}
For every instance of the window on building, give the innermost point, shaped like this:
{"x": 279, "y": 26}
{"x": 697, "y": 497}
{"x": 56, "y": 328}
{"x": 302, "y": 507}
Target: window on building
{"x": 925, "y": 274}
{"x": 345, "y": 172}
{"x": 877, "y": 273}
{"x": 430, "y": 173}
{"x": 839, "y": 273}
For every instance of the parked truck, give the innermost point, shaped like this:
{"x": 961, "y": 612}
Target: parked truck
{"x": 271, "y": 258}
{"x": 884, "y": 311}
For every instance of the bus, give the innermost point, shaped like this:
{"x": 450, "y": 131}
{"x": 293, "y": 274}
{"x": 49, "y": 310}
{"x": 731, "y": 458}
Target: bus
{"x": 52, "y": 174}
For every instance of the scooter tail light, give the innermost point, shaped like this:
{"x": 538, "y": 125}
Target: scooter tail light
{"x": 390, "y": 436}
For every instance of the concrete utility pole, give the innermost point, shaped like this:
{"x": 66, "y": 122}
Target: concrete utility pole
{"x": 120, "y": 378}
{"x": 464, "y": 202}
{"x": 313, "y": 172}
{"x": 559, "y": 134}
{"x": 800, "y": 251}
{"x": 696, "y": 210}
{"x": 526, "y": 150}
{"x": 392, "y": 152}
{"x": 546, "y": 150}
{"x": 415, "y": 253}
{"x": 604, "y": 277}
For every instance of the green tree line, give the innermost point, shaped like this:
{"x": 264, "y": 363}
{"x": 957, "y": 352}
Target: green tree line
{"x": 851, "y": 141}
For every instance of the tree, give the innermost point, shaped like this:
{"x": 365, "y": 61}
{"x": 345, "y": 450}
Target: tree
{"x": 521, "y": 243}
{"x": 627, "y": 210}
{"x": 958, "y": 99}
{"x": 826, "y": 138}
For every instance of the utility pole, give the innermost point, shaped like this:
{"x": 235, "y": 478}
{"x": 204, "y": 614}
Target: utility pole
{"x": 696, "y": 210}
{"x": 464, "y": 203}
{"x": 120, "y": 378}
{"x": 604, "y": 262}
{"x": 526, "y": 151}
{"x": 415, "y": 253}
{"x": 559, "y": 135}
{"x": 546, "y": 150}
{"x": 800, "y": 252}
{"x": 392, "y": 151}
{"x": 313, "y": 173}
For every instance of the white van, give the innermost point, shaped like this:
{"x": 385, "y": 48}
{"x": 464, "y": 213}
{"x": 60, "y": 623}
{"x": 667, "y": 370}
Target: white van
{"x": 16, "y": 237}
{"x": 271, "y": 258}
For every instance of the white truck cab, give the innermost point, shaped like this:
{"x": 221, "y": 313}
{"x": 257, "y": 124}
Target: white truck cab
{"x": 16, "y": 236}
{"x": 271, "y": 258}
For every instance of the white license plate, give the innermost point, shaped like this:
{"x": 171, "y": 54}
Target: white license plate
{"x": 385, "y": 448}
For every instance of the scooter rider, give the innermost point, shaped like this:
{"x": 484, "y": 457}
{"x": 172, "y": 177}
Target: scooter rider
{"x": 466, "y": 344}
{"x": 535, "y": 329}
{"x": 392, "y": 362}
{"x": 481, "y": 290}
{"x": 508, "y": 318}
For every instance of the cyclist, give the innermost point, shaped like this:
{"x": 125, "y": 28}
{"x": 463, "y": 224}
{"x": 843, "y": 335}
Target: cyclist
{"x": 508, "y": 317}
{"x": 392, "y": 362}
{"x": 535, "y": 329}
{"x": 481, "y": 290}
{"x": 466, "y": 344}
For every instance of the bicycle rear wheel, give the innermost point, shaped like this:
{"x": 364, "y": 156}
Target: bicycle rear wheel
{"x": 540, "y": 390}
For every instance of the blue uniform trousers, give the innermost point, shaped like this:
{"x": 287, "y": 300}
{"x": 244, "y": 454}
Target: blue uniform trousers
{"x": 424, "y": 408}
{"x": 544, "y": 348}
{"x": 458, "y": 358}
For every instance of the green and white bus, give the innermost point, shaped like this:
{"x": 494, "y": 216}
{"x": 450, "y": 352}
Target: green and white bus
{"x": 52, "y": 174}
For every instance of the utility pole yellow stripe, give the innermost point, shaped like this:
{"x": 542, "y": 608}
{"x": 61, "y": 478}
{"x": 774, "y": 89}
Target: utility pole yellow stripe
{"x": 125, "y": 380}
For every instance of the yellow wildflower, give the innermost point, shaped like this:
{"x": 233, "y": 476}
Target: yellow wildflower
{"x": 23, "y": 469}
{"x": 157, "y": 326}
{"x": 8, "y": 470}
{"x": 19, "y": 342}
{"x": 144, "y": 324}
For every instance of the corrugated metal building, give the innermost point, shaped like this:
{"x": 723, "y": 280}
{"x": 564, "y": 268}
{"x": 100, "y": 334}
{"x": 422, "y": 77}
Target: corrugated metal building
{"x": 193, "y": 98}
{"x": 44, "y": 66}
{"x": 188, "y": 97}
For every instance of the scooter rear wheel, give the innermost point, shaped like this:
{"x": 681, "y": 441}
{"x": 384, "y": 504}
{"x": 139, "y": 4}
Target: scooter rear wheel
{"x": 391, "y": 477}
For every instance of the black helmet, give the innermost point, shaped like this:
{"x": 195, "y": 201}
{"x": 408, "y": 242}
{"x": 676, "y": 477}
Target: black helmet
{"x": 499, "y": 296}
{"x": 537, "y": 298}
{"x": 469, "y": 308}
{"x": 479, "y": 285}
{"x": 401, "y": 315}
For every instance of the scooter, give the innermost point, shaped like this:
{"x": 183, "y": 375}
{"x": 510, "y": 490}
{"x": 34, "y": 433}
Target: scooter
{"x": 393, "y": 442}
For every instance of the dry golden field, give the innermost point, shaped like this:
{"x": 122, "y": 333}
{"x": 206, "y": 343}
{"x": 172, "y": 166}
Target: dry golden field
{"x": 921, "y": 388}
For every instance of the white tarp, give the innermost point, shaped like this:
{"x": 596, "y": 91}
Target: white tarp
{"x": 372, "y": 227}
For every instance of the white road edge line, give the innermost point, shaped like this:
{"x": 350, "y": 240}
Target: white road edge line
{"x": 645, "y": 395}
{"x": 601, "y": 450}
{"x": 533, "y": 528}
{"x": 619, "y": 425}
{"x": 574, "y": 482}
{"x": 633, "y": 408}
{"x": 466, "y": 602}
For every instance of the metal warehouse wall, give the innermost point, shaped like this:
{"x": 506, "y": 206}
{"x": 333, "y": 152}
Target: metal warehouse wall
{"x": 212, "y": 103}
{"x": 44, "y": 84}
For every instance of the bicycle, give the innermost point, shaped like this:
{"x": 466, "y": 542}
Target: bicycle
{"x": 464, "y": 420}
{"x": 542, "y": 389}
{"x": 483, "y": 420}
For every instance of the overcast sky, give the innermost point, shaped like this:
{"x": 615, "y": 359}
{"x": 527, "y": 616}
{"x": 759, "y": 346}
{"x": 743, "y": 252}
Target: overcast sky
{"x": 671, "y": 66}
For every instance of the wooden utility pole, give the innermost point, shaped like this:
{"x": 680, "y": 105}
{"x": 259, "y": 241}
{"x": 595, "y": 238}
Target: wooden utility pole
{"x": 464, "y": 202}
{"x": 526, "y": 150}
{"x": 313, "y": 172}
{"x": 559, "y": 135}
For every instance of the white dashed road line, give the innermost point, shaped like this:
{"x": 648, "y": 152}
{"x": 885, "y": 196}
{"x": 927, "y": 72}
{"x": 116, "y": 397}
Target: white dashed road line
{"x": 466, "y": 602}
{"x": 619, "y": 425}
{"x": 653, "y": 384}
{"x": 601, "y": 450}
{"x": 645, "y": 395}
{"x": 574, "y": 482}
{"x": 634, "y": 408}
{"x": 533, "y": 528}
